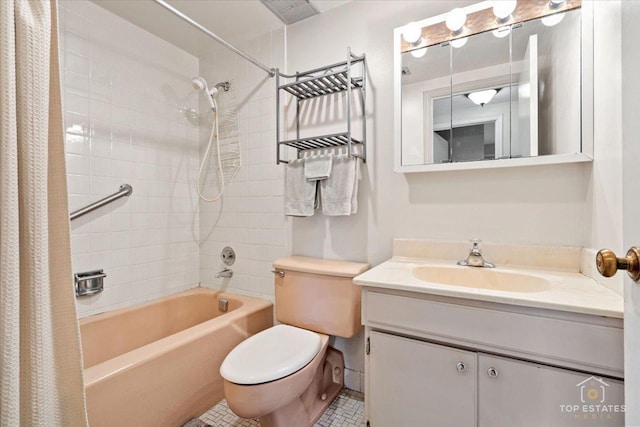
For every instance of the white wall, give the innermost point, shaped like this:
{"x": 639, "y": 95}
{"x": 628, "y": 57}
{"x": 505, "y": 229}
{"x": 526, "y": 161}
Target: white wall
{"x": 122, "y": 93}
{"x": 250, "y": 218}
{"x": 489, "y": 204}
{"x": 604, "y": 198}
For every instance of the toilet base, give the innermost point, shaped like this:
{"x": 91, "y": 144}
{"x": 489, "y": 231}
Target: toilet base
{"x": 306, "y": 409}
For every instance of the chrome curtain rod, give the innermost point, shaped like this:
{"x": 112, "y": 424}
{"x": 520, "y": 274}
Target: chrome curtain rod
{"x": 125, "y": 190}
{"x": 270, "y": 71}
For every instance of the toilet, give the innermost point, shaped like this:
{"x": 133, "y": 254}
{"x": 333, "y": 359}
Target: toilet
{"x": 288, "y": 375}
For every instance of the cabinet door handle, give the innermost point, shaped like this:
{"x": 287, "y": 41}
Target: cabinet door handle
{"x": 461, "y": 367}
{"x": 492, "y": 372}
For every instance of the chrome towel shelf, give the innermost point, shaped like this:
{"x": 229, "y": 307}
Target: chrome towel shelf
{"x": 322, "y": 81}
{"x": 325, "y": 84}
{"x": 125, "y": 190}
{"x": 334, "y": 140}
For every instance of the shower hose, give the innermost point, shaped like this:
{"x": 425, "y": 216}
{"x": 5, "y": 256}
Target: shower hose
{"x": 214, "y": 134}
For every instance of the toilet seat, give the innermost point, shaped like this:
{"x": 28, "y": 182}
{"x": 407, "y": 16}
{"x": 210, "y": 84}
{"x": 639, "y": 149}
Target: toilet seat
{"x": 270, "y": 355}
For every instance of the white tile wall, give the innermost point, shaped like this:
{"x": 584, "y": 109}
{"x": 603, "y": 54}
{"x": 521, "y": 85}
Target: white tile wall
{"x": 250, "y": 218}
{"x": 126, "y": 95}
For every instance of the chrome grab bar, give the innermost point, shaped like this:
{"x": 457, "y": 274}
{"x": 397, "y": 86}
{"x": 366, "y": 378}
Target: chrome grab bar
{"x": 125, "y": 190}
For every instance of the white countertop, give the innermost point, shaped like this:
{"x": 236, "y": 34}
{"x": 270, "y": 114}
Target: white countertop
{"x": 569, "y": 291}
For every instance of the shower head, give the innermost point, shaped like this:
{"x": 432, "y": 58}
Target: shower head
{"x": 199, "y": 83}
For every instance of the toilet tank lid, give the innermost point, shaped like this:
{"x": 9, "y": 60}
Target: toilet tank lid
{"x": 327, "y": 267}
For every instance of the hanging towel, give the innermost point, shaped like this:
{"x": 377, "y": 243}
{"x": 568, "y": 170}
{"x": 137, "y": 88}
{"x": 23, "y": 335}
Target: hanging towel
{"x": 339, "y": 193}
{"x": 317, "y": 168}
{"x": 299, "y": 194}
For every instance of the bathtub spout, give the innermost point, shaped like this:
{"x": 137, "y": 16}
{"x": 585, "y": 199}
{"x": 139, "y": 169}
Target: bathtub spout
{"x": 227, "y": 272}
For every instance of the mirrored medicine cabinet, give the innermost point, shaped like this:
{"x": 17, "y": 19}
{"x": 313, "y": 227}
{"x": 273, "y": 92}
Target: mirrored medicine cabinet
{"x": 481, "y": 87}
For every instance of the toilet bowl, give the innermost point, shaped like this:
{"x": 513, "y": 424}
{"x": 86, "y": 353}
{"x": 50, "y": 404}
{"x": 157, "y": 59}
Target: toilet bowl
{"x": 287, "y": 375}
{"x": 292, "y": 395}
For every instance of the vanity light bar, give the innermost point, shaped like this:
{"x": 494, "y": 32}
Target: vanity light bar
{"x": 484, "y": 20}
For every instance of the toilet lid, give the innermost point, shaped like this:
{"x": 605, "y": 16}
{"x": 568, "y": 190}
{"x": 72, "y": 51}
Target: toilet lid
{"x": 270, "y": 355}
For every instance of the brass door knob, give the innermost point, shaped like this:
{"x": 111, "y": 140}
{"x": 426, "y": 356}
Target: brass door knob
{"x": 608, "y": 263}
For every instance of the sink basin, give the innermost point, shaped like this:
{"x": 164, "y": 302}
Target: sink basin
{"x": 481, "y": 278}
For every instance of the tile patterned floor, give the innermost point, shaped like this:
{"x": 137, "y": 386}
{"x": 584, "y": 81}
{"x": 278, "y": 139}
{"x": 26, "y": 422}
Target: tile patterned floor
{"x": 346, "y": 411}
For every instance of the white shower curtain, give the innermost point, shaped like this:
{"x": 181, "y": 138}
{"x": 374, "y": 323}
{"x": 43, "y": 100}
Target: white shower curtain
{"x": 40, "y": 359}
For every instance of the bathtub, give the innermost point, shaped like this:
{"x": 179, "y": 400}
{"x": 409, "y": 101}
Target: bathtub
{"x": 158, "y": 364}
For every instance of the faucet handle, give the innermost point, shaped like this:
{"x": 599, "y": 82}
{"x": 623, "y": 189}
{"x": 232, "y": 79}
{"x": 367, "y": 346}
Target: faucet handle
{"x": 476, "y": 243}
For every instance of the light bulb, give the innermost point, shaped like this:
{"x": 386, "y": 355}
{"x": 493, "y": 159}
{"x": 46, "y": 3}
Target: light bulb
{"x": 419, "y": 53}
{"x": 551, "y": 20}
{"x": 524, "y": 91}
{"x": 501, "y": 32}
{"x": 458, "y": 43}
{"x": 482, "y": 97}
{"x": 456, "y": 19}
{"x": 503, "y": 9}
{"x": 554, "y": 4}
{"x": 412, "y": 33}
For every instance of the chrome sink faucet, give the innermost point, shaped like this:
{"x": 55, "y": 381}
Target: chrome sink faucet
{"x": 475, "y": 258}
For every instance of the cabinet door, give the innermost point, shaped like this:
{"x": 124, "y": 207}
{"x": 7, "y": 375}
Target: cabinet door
{"x": 517, "y": 393}
{"x": 414, "y": 383}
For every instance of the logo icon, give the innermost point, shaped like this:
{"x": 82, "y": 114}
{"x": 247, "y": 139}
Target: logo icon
{"x": 592, "y": 390}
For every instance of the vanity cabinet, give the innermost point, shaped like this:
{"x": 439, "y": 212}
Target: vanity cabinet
{"x": 434, "y": 361}
{"x": 415, "y": 383}
{"x": 513, "y": 392}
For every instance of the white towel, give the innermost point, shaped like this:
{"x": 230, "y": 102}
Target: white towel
{"x": 339, "y": 193}
{"x": 299, "y": 194}
{"x": 317, "y": 168}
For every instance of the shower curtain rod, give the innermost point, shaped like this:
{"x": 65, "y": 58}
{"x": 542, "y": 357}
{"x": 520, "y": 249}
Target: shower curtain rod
{"x": 270, "y": 71}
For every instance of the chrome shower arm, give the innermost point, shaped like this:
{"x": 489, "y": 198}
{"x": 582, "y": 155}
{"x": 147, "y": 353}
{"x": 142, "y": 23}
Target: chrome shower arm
{"x": 224, "y": 85}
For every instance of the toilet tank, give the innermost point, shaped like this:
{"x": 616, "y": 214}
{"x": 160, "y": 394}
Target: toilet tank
{"x": 319, "y": 294}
